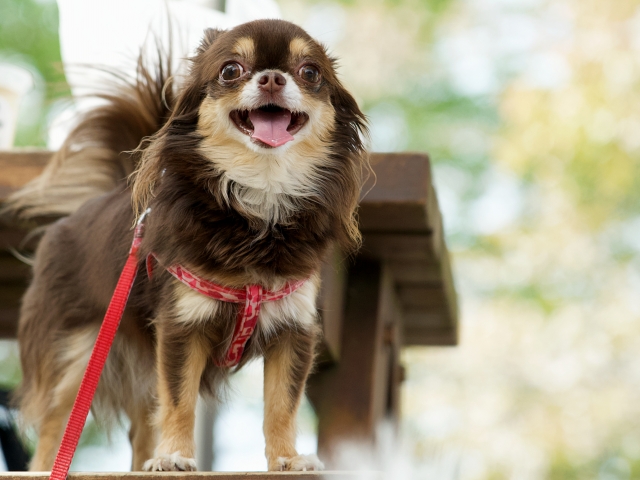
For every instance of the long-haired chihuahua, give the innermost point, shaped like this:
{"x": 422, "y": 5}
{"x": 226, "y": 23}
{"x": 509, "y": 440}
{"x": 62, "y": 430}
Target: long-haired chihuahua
{"x": 251, "y": 169}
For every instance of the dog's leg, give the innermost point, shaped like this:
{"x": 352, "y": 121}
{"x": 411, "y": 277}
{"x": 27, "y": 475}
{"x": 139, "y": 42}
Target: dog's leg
{"x": 142, "y": 436}
{"x": 58, "y": 395}
{"x": 286, "y": 367}
{"x": 50, "y": 435}
{"x": 181, "y": 358}
{"x": 54, "y": 421}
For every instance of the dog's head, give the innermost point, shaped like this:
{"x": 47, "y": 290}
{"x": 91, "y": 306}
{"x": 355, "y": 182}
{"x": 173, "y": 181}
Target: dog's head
{"x": 267, "y": 85}
{"x": 264, "y": 107}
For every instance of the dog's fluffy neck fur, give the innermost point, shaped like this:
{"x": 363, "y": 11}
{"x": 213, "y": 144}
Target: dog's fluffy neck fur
{"x": 271, "y": 186}
{"x": 232, "y": 239}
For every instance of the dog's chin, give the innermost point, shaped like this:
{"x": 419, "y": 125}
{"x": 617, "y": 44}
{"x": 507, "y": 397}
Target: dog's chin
{"x": 269, "y": 126}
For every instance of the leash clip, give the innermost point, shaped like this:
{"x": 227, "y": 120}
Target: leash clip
{"x": 139, "y": 231}
{"x": 143, "y": 216}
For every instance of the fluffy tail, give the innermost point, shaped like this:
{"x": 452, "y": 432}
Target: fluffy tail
{"x": 102, "y": 150}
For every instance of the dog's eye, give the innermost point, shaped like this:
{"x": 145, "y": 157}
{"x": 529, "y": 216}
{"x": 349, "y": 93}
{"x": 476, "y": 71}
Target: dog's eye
{"x": 231, "y": 71}
{"x": 310, "y": 74}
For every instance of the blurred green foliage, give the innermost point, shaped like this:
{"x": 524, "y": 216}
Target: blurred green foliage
{"x": 10, "y": 373}
{"x": 29, "y": 35}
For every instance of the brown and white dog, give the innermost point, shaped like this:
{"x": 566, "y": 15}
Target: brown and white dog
{"x": 252, "y": 169}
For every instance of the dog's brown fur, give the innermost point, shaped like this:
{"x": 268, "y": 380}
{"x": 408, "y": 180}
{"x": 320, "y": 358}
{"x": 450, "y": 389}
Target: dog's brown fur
{"x": 203, "y": 218}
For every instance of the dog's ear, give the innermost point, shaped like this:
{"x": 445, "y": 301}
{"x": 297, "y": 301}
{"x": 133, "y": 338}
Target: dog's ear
{"x": 349, "y": 135}
{"x": 210, "y": 35}
{"x": 352, "y": 123}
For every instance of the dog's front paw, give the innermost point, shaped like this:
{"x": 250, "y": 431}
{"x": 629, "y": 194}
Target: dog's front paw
{"x": 170, "y": 463}
{"x": 299, "y": 463}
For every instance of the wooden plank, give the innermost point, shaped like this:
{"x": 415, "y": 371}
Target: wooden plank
{"x": 416, "y": 271}
{"x": 399, "y": 246}
{"x": 385, "y": 392}
{"x": 19, "y": 166}
{"x": 351, "y": 398}
{"x": 422, "y": 296}
{"x": 393, "y": 341}
{"x": 331, "y": 305}
{"x": 14, "y": 275}
{"x": 10, "y": 296}
{"x": 430, "y": 309}
{"x": 332, "y": 475}
{"x": 14, "y": 238}
{"x": 420, "y": 336}
{"x": 418, "y": 318}
{"x": 12, "y": 269}
{"x": 11, "y": 293}
{"x": 396, "y": 197}
{"x": 451, "y": 297}
{"x": 9, "y": 322}
{"x": 399, "y": 177}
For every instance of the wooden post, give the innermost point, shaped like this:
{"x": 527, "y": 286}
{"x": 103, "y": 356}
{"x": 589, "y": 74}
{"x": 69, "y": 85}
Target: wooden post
{"x": 355, "y": 395}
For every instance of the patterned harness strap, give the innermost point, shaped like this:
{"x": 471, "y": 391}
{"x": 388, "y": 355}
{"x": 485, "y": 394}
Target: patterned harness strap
{"x": 253, "y": 296}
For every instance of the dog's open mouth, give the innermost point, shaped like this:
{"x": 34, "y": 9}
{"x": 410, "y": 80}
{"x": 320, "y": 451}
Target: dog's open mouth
{"x": 270, "y": 125}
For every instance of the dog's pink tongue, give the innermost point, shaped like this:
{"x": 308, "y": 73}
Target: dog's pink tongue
{"x": 271, "y": 127}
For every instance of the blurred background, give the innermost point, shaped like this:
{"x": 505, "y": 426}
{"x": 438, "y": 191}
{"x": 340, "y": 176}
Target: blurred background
{"x": 530, "y": 111}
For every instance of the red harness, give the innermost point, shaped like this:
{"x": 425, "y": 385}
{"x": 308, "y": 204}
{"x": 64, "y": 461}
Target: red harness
{"x": 252, "y": 296}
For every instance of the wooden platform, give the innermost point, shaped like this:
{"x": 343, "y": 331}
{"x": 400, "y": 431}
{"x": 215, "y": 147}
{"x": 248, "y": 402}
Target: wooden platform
{"x": 397, "y": 292}
{"x": 336, "y": 475}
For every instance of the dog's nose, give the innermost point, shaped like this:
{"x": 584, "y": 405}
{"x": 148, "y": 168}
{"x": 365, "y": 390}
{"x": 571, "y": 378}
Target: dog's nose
{"x": 272, "y": 82}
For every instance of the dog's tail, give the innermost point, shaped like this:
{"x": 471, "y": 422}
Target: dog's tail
{"x": 102, "y": 150}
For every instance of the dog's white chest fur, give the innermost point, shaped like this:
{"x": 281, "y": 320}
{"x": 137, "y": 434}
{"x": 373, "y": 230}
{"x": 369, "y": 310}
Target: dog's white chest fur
{"x": 298, "y": 308}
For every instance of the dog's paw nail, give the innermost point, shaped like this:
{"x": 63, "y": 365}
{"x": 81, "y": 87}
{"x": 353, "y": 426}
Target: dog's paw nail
{"x": 299, "y": 463}
{"x": 170, "y": 463}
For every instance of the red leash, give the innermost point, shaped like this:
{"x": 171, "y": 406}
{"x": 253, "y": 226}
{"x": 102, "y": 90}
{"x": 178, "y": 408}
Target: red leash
{"x": 98, "y": 358}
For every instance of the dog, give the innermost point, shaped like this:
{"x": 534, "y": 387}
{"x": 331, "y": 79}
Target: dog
{"x": 251, "y": 169}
